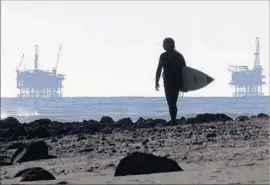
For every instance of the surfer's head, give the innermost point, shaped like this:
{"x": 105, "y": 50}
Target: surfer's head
{"x": 168, "y": 44}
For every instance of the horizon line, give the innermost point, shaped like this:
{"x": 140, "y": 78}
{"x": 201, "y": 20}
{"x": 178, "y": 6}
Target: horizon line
{"x": 136, "y": 97}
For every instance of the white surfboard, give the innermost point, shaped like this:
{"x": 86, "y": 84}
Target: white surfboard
{"x": 193, "y": 79}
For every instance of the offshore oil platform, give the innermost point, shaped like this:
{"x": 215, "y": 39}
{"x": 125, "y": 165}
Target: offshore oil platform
{"x": 39, "y": 83}
{"x": 248, "y": 82}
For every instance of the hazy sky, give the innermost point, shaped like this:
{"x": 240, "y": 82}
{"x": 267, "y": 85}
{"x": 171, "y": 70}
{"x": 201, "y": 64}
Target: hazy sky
{"x": 112, "y": 48}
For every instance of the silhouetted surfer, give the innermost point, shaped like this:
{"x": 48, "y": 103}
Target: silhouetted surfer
{"x": 171, "y": 61}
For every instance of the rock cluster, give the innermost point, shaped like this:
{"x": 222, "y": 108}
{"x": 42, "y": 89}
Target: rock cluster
{"x": 11, "y": 129}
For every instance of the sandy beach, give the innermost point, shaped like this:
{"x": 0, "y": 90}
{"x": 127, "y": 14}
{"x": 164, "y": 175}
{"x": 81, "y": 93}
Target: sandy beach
{"x": 214, "y": 152}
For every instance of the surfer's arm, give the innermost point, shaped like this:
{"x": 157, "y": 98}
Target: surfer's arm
{"x": 159, "y": 69}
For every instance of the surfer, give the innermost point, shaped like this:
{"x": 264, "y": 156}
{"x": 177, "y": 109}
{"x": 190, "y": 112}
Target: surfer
{"x": 171, "y": 61}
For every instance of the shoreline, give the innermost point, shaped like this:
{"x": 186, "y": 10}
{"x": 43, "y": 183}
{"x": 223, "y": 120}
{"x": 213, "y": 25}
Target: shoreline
{"x": 210, "y": 148}
{"x": 72, "y": 118}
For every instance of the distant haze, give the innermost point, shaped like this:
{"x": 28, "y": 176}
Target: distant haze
{"x": 112, "y": 48}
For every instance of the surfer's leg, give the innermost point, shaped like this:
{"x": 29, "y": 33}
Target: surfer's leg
{"x": 174, "y": 97}
{"x": 171, "y": 93}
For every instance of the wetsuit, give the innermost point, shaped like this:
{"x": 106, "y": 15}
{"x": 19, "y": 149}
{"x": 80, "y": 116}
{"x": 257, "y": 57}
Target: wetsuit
{"x": 171, "y": 62}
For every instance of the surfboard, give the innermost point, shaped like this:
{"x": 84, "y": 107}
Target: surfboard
{"x": 193, "y": 79}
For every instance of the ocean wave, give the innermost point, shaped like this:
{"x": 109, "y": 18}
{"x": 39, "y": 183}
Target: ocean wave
{"x": 18, "y": 112}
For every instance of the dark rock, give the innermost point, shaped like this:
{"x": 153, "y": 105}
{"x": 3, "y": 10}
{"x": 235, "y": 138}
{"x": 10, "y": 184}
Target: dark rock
{"x": 122, "y": 123}
{"x": 223, "y": 118}
{"x": 39, "y": 132}
{"x": 102, "y": 150}
{"x": 262, "y": 115}
{"x": 87, "y": 150}
{"x": 207, "y": 117}
{"x": 61, "y": 131}
{"x": 114, "y": 151}
{"x": 154, "y": 123}
{"x": 130, "y": 127}
{"x": 57, "y": 126}
{"x": 106, "y": 120}
{"x": 107, "y": 131}
{"x": 62, "y": 182}
{"x": 149, "y": 123}
{"x": 137, "y": 147}
{"x": 190, "y": 121}
{"x": 178, "y": 130}
{"x": 14, "y": 132}
{"x": 111, "y": 165}
{"x": 21, "y": 172}
{"x": 33, "y": 151}
{"x": 145, "y": 147}
{"x": 212, "y": 134}
{"x": 181, "y": 120}
{"x": 81, "y": 138}
{"x": 90, "y": 127}
{"x": 71, "y": 128}
{"x": 142, "y": 163}
{"x": 34, "y": 174}
{"x": 57, "y": 123}
{"x": 54, "y": 140}
{"x": 197, "y": 143}
{"x": 9, "y": 122}
{"x": 42, "y": 122}
{"x": 170, "y": 123}
{"x": 190, "y": 134}
{"x": 15, "y": 146}
{"x": 2, "y": 139}
{"x": 140, "y": 122}
{"x": 145, "y": 142}
{"x": 242, "y": 118}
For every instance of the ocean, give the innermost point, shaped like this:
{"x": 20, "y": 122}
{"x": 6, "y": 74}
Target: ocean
{"x": 80, "y": 108}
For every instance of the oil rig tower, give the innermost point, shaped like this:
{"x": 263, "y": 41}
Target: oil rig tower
{"x": 248, "y": 82}
{"x": 39, "y": 83}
